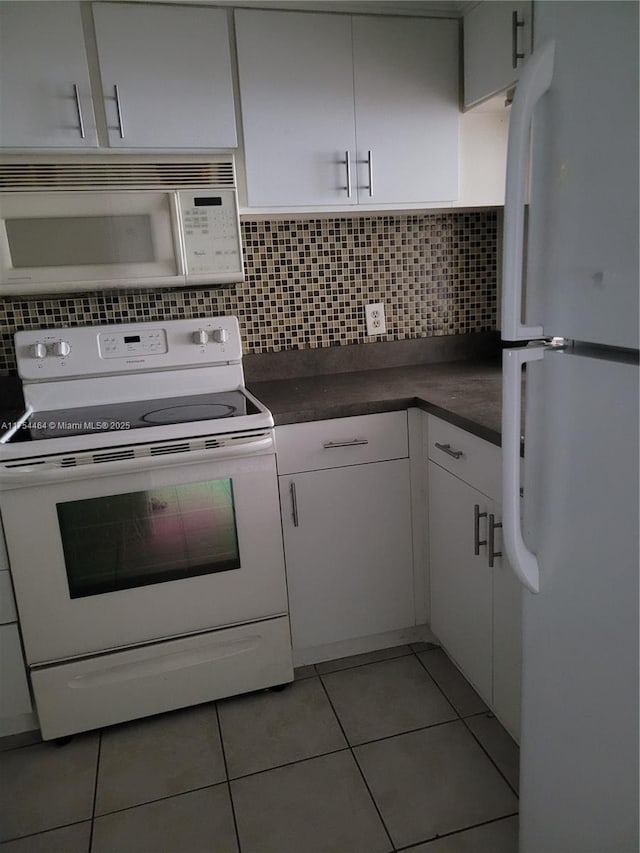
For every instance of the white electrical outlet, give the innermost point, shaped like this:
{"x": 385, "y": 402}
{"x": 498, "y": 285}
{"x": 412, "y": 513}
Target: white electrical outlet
{"x": 374, "y": 314}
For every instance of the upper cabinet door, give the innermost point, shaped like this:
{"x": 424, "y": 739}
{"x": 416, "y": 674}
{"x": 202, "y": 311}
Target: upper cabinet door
{"x": 406, "y": 100}
{"x": 45, "y": 98}
{"x": 166, "y": 76}
{"x": 497, "y": 42}
{"x": 296, "y": 91}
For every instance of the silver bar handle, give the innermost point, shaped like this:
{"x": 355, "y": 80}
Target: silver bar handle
{"x": 294, "y": 504}
{"x": 515, "y": 23}
{"x": 446, "y": 448}
{"x": 353, "y": 442}
{"x": 477, "y": 541}
{"x": 116, "y": 95}
{"x": 347, "y": 162}
{"x": 370, "y": 168}
{"x": 492, "y": 529}
{"x": 76, "y": 95}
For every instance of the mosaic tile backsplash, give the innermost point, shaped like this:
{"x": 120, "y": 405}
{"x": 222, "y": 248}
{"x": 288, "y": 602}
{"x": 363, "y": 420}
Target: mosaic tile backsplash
{"x": 308, "y": 280}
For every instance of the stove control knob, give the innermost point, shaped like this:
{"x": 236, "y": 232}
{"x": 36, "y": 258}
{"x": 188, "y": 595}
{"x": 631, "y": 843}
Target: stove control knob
{"x": 61, "y": 348}
{"x": 39, "y": 350}
{"x": 220, "y": 336}
{"x": 200, "y": 337}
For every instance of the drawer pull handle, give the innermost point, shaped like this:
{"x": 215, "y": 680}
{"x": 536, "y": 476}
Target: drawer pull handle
{"x": 477, "y": 541}
{"x": 294, "y": 504}
{"x": 354, "y": 442}
{"x": 492, "y": 529}
{"x": 446, "y": 448}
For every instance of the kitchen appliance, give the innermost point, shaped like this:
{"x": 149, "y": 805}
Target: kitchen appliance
{"x": 139, "y": 500}
{"x": 576, "y": 549}
{"x": 70, "y": 227}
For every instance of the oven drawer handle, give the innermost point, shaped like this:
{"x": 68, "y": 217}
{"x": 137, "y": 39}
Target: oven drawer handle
{"x": 49, "y": 472}
{"x": 354, "y": 442}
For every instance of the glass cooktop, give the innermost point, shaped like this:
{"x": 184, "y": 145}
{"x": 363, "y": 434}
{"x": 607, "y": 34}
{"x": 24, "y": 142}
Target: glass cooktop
{"x": 137, "y": 414}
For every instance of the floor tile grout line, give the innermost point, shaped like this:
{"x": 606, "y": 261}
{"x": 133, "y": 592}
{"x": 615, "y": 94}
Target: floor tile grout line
{"x": 353, "y": 755}
{"x": 464, "y": 719}
{"x": 413, "y": 844}
{"x": 424, "y": 666}
{"x": 44, "y": 831}
{"x": 491, "y": 759}
{"x": 228, "y": 781}
{"x": 364, "y": 663}
{"x": 95, "y": 791}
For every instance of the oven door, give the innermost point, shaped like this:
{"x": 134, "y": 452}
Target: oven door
{"x": 115, "y": 554}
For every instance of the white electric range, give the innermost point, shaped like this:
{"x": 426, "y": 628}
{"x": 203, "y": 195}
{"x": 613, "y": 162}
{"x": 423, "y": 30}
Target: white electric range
{"x": 139, "y": 500}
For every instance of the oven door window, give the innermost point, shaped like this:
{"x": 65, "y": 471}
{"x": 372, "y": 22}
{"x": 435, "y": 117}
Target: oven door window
{"x": 140, "y": 538}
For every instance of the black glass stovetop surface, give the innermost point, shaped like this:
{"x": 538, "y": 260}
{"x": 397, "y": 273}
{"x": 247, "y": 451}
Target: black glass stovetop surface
{"x": 137, "y": 414}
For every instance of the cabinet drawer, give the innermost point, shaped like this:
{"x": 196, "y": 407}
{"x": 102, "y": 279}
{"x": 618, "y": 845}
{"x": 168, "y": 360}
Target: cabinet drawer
{"x": 341, "y": 441}
{"x": 474, "y": 460}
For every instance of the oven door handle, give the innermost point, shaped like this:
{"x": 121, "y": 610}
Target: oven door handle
{"x": 48, "y": 472}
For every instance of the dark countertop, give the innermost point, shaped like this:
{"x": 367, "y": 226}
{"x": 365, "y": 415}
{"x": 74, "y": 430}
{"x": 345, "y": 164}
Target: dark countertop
{"x": 465, "y": 393}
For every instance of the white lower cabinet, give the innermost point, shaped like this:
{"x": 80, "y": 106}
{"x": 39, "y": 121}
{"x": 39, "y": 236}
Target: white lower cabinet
{"x": 16, "y": 709}
{"x": 475, "y": 599}
{"x": 346, "y": 514}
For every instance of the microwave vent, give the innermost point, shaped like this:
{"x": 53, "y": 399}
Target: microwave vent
{"x": 26, "y": 177}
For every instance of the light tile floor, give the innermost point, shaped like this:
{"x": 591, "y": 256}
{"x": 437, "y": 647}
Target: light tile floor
{"x": 389, "y": 751}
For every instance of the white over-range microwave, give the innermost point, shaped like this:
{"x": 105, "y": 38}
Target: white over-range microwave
{"x": 80, "y": 227}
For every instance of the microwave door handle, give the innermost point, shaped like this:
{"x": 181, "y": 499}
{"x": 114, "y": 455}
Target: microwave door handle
{"x": 178, "y": 233}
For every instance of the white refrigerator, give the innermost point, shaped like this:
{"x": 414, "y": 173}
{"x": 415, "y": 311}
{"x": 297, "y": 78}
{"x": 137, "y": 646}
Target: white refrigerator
{"x": 570, "y": 512}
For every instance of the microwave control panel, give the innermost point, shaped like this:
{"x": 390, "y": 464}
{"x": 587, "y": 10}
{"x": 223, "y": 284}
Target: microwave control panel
{"x": 211, "y": 233}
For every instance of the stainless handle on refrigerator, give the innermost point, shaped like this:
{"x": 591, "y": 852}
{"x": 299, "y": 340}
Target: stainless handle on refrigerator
{"x": 76, "y": 95}
{"x": 353, "y": 442}
{"x": 492, "y": 535}
{"x": 523, "y": 562}
{"x": 515, "y": 23}
{"x": 347, "y": 163}
{"x": 446, "y": 448}
{"x": 534, "y": 81}
{"x": 294, "y": 504}
{"x": 116, "y": 95}
{"x": 477, "y": 541}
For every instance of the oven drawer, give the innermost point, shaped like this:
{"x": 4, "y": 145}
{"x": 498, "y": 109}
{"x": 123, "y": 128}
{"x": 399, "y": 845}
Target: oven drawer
{"x": 100, "y": 691}
{"x": 341, "y": 441}
{"x": 473, "y": 459}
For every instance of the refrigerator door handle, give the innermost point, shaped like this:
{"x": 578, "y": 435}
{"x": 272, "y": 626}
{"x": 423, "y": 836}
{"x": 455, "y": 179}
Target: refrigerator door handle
{"x": 523, "y": 562}
{"x": 534, "y": 81}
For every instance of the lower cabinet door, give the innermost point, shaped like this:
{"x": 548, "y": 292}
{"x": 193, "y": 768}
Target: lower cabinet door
{"x": 460, "y": 581}
{"x": 347, "y": 537}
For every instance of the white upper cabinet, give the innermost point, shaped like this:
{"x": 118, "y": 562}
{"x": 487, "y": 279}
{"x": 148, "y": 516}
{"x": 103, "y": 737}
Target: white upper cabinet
{"x": 45, "y": 95}
{"x": 166, "y": 76}
{"x": 296, "y": 95}
{"x": 406, "y": 101}
{"x": 497, "y": 41}
{"x": 344, "y": 110}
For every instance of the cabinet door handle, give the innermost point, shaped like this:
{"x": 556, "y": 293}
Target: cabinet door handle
{"x": 370, "y": 168}
{"x": 515, "y": 23}
{"x": 347, "y": 163}
{"x": 76, "y": 95}
{"x": 446, "y": 448}
{"x": 477, "y": 541}
{"x": 353, "y": 442}
{"x": 492, "y": 529}
{"x": 294, "y": 504}
{"x": 116, "y": 95}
